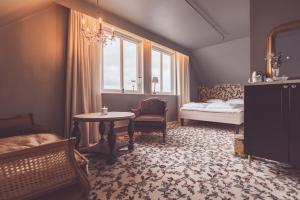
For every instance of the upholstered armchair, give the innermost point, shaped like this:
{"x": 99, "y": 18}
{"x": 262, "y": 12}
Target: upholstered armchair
{"x": 151, "y": 116}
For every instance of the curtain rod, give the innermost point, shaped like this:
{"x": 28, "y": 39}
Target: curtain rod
{"x": 204, "y": 16}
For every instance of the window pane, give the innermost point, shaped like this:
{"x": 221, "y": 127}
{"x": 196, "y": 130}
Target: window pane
{"x": 155, "y": 68}
{"x": 130, "y": 57}
{"x": 166, "y": 72}
{"x": 111, "y": 65}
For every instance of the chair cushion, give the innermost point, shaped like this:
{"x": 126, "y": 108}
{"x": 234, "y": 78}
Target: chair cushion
{"x": 16, "y": 143}
{"x": 149, "y": 118}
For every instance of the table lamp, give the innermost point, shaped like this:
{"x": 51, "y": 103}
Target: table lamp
{"x": 154, "y": 81}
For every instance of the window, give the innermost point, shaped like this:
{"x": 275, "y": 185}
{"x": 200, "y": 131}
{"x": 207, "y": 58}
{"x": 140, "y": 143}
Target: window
{"x": 121, "y": 65}
{"x": 162, "y": 68}
{"x": 130, "y": 65}
{"x": 111, "y": 66}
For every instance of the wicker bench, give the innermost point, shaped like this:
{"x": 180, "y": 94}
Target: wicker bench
{"x": 37, "y": 164}
{"x": 45, "y": 172}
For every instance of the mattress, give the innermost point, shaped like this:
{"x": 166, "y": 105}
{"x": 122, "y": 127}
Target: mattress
{"x": 216, "y": 110}
{"x": 218, "y": 113}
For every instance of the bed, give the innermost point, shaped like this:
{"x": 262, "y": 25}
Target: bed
{"x": 219, "y": 103}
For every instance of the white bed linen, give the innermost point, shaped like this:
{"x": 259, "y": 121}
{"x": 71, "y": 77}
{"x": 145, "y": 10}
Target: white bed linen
{"x": 236, "y": 118}
{"x": 213, "y": 107}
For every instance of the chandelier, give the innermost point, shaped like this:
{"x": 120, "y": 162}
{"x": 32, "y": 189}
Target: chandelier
{"x": 95, "y": 32}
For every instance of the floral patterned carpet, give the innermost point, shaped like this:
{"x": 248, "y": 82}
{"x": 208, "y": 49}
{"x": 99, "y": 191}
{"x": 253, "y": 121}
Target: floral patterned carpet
{"x": 197, "y": 162}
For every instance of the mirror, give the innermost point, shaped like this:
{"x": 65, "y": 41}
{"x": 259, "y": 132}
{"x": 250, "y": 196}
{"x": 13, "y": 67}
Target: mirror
{"x": 285, "y": 39}
{"x": 288, "y": 43}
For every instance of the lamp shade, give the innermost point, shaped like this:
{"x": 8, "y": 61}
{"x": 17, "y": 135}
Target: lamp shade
{"x": 154, "y": 79}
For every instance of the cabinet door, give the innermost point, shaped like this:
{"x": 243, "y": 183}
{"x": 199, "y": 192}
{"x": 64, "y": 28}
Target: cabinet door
{"x": 294, "y": 147}
{"x": 266, "y": 117}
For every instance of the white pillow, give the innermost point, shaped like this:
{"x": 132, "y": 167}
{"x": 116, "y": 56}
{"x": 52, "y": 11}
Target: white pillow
{"x": 221, "y": 105}
{"x": 235, "y": 101}
{"x": 215, "y": 101}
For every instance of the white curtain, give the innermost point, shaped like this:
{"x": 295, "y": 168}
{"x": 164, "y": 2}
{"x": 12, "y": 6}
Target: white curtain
{"x": 183, "y": 79}
{"x": 82, "y": 79}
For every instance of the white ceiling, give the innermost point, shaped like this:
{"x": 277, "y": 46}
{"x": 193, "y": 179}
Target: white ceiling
{"x": 11, "y": 10}
{"x": 180, "y": 23}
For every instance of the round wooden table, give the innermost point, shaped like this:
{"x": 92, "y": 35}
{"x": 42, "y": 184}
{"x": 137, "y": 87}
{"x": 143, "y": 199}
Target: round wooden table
{"x": 110, "y": 118}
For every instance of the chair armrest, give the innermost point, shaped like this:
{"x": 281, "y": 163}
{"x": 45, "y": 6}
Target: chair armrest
{"x": 165, "y": 111}
{"x": 136, "y": 111}
{"x": 165, "y": 114}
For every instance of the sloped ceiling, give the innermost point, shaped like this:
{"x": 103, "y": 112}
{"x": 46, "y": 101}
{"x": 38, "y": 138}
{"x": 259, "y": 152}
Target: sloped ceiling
{"x": 179, "y": 22}
{"x": 175, "y": 20}
{"x": 11, "y": 10}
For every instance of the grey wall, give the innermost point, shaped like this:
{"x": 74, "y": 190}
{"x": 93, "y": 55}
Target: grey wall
{"x": 228, "y": 62}
{"x": 124, "y": 102}
{"x": 32, "y": 66}
{"x": 265, "y": 15}
{"x": 194, "y": 79}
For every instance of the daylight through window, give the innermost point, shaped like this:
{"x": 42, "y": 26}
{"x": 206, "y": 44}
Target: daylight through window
{"x": 162, "y": 68}
{"x": 121, "y": 66}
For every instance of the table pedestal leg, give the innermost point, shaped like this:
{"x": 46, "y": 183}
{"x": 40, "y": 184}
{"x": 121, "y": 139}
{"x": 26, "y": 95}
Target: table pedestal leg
{"x": 102, "y": 131}
{"x": 111, "y": 142}
{"x": 76, "y": 133}
{"x": 130, "y": 134}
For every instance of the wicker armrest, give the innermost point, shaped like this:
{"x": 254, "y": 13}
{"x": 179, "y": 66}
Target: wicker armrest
{"x": 34, "y": 172}
{"x": 82, "y": 161}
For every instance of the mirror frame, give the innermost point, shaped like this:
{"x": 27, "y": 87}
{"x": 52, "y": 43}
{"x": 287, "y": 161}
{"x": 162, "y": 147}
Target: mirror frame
{"x": 271, "y": 40}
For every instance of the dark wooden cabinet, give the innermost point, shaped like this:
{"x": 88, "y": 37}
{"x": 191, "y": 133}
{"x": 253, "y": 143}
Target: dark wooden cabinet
{"x": 294, "y": 129}
{"x": 272, "y": 122}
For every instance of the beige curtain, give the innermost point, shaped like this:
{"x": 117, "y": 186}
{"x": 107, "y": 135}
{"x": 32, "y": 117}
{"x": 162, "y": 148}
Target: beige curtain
{"x": 147, "y": 66}
{"x": 183, "y": 79}
{"x": 82, "y": 79}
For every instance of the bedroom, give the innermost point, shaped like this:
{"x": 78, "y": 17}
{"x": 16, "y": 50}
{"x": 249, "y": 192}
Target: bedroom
{"x": 176, "y": 51}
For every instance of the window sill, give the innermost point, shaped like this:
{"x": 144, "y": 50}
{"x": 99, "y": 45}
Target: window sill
{"x": 162, "y": 94}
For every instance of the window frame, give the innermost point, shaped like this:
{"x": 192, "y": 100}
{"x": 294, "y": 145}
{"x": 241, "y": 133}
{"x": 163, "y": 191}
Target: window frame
{"x": 139, "y": 70}
{"x": 163, "y": 50}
